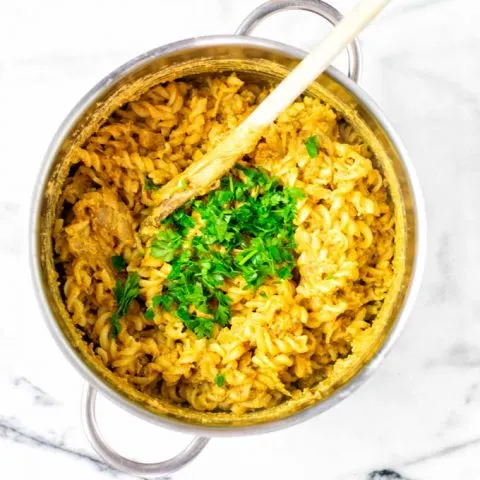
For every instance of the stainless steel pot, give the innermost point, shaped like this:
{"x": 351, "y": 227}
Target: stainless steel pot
{"x": 260, "y": 58}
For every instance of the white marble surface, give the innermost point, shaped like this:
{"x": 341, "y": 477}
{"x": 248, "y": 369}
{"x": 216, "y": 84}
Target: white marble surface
{"x": 419, "y": 416}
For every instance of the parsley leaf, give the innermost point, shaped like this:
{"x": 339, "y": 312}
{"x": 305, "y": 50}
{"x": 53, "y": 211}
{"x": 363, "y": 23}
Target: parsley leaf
{"x": 149, "y": 314}
{"x": 119, "y": 263}
{"x": 222, "y": 313}
{"x": 220, "y": 380}
{"x": 149, "y": 185}
{"x": 311, "y": 145}
{"x": 182, "y": 221}
{"x": 165, "y": 245}
{"x": 202, "y": 327}
{"x": 162, "y": 300}
{"x": 296, "y": 193}
{"x": 284, "y": 272}
{"x": 116, "y": 326}
{"x": 124, "y": 292}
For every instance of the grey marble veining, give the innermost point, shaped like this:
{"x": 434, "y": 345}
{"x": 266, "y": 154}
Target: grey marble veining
{"x": 418, "y": 418}
{"x": 38, "y": 396}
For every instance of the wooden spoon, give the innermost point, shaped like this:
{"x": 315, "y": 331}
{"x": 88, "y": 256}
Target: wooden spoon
{"x": 201, "y": 176}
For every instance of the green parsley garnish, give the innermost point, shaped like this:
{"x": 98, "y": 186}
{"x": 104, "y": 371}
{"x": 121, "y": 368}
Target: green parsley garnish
{"x": 124, "y": 292}
{"x": 149, "y": 185}
{"x": 312, "y": 146}
{"x": 162, "y": 300}
{"x": 116, "y": 326}
{"x": 182, "y": 221}
{"x": 119, "y": 263}
{"x": 329, "y": 277}
{"x": 220, "y": 380}
{"x": 246, "y": 231}
{"x": 149, "y": 314}
{"x": 165, "y": 245}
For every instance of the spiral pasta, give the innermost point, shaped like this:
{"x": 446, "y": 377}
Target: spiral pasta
{"x": 283, "y": 337}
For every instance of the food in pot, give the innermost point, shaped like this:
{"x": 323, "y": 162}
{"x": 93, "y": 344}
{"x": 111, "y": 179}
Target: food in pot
{"x": 244, "y": 297}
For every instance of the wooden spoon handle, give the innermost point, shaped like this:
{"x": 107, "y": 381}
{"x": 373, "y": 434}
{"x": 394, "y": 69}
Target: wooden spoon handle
{"x": 315, "y": 63}
{"x": 200, "y": 177}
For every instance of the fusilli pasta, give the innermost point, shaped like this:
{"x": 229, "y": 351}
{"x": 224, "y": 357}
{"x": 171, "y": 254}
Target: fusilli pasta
{"x": 284, "y": 337}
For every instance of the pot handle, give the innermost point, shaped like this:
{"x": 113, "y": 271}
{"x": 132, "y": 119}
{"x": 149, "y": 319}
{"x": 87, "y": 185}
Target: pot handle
{"x": 318, "y": 7}
{"x": 114, "y": 459}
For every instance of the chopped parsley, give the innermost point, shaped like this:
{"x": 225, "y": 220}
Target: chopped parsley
{"x": 119, "y": 263}
{"x": 220, "y": 380}
{"x": 116, "y": 326}
{"x": 311, "y": 145}
{"x": 149, "y": 314}
{"x": 124, "y": 292}
{"x": 182, "y": 221}
{"x": 246, "y": 230}
{"x": 149, "y": 185}
{"x": 165, "y": 245}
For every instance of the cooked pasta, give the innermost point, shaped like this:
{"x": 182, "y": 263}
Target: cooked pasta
{"x": 283, "y": 335}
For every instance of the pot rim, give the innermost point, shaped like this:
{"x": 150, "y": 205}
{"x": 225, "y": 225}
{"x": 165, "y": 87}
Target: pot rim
{"x": 219, "y": 431}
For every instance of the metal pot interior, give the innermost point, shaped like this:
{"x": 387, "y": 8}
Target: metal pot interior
{"x": 262, "y": 61}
